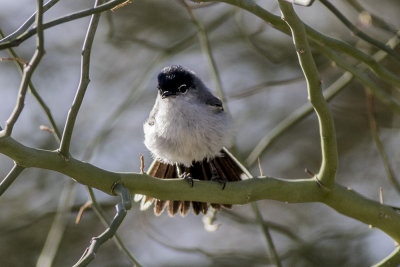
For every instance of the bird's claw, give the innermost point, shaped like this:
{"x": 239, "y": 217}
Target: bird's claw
{"x": 188, "y": 178}
{"x": 219, "y": 180}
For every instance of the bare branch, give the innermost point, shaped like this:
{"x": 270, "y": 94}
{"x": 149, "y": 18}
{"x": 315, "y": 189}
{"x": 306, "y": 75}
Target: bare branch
{"x": 300, "y": 113}
{"x": 34, "y": 92}
{"x": 83, "y": 84}
{"x": 375, "y": 135}
{"x": 10, "y": 178}
{"x": 206, "y": 47}
{"x": 28, "y": 72}
{"x": 80, "y": 14}
{"x": 316, "y": 38}
{"x": 356, "y": 31}
{"x": 57, "y": 229}
{"x": 96, "y": 242}
{"x": 329, "y": 163}
{"x": 25, "y": 26}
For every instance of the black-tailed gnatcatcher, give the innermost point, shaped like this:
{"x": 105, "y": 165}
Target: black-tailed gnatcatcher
{"x": 187, "y": 132}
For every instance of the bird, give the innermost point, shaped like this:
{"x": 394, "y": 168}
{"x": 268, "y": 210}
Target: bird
{"x": 187, "y": 133}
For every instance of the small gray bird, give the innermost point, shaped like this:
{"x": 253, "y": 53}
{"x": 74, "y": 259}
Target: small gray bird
{"x": 187, "y": 132}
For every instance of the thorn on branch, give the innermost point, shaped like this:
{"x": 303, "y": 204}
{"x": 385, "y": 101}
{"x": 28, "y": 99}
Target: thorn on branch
{"x": 381, "y": 195}
{"x": 85, "y": 206}
{"x": 260, "y": 167}
{"x": 21, "y": 61}
{"x": 309, "y": 172}
{"x": 121, "y": 5}
{"x": 46, "y": 128}
{"x": 141, "y": 164}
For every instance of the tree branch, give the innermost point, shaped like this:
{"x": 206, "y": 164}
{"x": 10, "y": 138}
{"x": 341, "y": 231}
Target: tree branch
{"x": 329, "y": 163}
{"x": 122, "y": 209}
{"x": 358, "y": 32}
{"x": 83, "y": 84}
{"x": 315, "y": 37}
{"x": 27, "y": 23}
{"x": 28, "y": 72}
{"x": 34, "y": 92}
{"x": 206, "y": 47}
{"x": 10, "y": 178}
{"x": 342, "y": 199}
{"x": 80, "y": 14}
{"x": 303, "y": 111}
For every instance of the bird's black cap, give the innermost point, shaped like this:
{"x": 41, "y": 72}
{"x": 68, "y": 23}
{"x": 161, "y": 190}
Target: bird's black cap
{"x": 171, "y": 78}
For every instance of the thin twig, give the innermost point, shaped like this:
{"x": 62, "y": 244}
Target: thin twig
{"x": 375, "y": 20}
{"x": 80, "y": 14}
{"x": 375, "y": 135}
{"x": 28, "y": 72}
{"x": 34, "y": 92}
{"x": 106, "y": 222}
{"x": 83, "y": 84}
{"x": 56, "y": 232}
{"x": 267, "y": 234}
{"x": 317, "y": 38}
{"x": 264, "y": 227}
{"x": 96, "y": 242}
{"x": 300, "y": 113}
{"x": 206, "y": 47}
{"x": 356, "y": 31}
{"x": 262, "y": 86}
{"x": 16, "y": 59}
{"x": 283, "y": 230}
{"x": 25, "y": 26}
{"x": 10, "y": 178}
{"x": 384, "y": 97}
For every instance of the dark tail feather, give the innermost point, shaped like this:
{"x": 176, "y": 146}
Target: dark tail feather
{"x": 184, "y": 208}
{"x": 173, "y": 207}
{"x": 228, "y": 170}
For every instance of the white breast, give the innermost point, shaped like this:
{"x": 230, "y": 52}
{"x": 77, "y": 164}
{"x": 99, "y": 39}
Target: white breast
{"x": 184, "y": 132}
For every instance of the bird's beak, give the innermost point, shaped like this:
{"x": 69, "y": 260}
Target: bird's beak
{"x": 166, "y": 94}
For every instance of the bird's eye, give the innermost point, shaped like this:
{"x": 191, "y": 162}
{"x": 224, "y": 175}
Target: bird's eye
{"x": 183, "y": 88}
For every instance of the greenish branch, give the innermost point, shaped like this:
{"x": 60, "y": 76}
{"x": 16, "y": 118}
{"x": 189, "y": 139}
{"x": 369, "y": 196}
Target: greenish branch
{"x": 295, "y": 117}
{"x": 206, "y": 47}
{"x": 384, "y": 97}
{"x": 375, "y": 20}
{"x": 303, "y": 111}
{"x": 375, "y": 135}
{"x": 392, "y": 260}
{"x": 315, "y": 37}
{"x": 342, "y": 199}
{"x": 356, "y": 31}
{"x": 329, "y": 163}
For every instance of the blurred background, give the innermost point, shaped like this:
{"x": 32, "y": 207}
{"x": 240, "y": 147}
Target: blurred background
{"x": 262, "y": 83}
